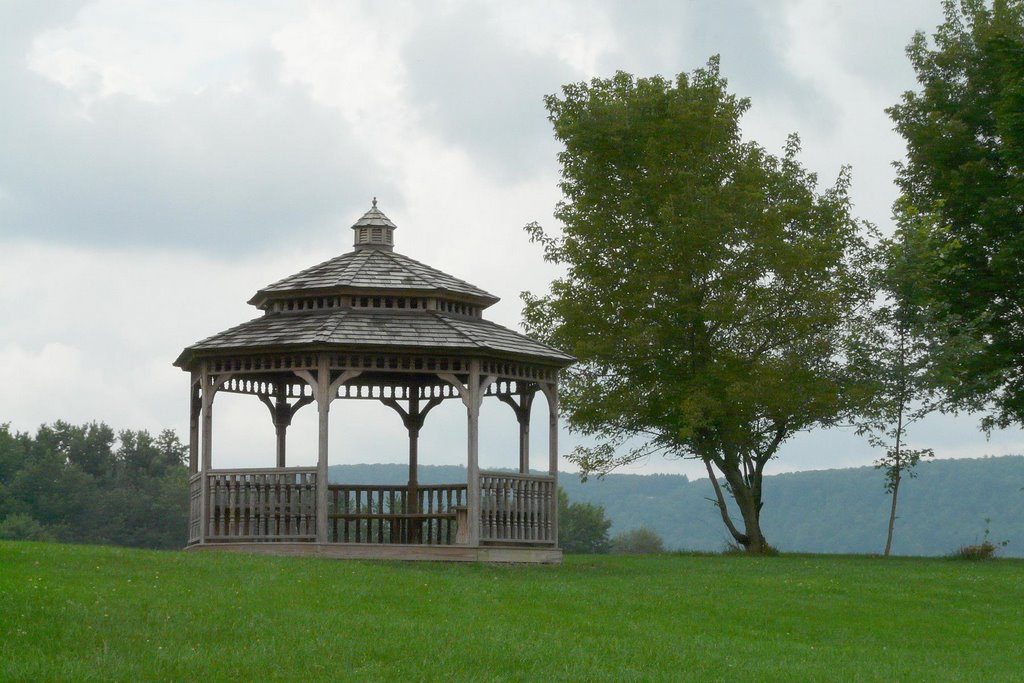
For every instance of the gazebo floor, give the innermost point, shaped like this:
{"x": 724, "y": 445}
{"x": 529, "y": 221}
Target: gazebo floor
{"x": 367, "y": 551}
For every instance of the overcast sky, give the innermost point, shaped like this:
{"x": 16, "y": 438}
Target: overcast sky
{"x": 160, "y": 162}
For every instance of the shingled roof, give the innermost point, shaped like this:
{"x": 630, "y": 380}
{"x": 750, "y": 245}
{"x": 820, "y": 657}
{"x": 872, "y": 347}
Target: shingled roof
{"x": 365, "y": 270}
{"x": 377, "y": 330}
{"x": 359, "y": 305}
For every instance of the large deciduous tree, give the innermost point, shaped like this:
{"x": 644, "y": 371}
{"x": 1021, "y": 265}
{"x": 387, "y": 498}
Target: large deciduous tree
{"x": 964, "y": 172}
{"x": 707, "y": 283}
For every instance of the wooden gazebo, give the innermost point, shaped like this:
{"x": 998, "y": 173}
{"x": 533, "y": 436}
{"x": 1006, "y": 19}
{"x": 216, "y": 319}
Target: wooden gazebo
{"x": 373, "y": 324}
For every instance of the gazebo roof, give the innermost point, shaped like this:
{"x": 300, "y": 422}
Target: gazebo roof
{"x": 372, "y": 270}
{"x": 374, "y": 299}
{"x": 385, "y": 330}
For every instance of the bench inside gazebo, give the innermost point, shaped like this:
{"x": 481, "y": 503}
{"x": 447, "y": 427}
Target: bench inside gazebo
{"x": 374, "y": 325}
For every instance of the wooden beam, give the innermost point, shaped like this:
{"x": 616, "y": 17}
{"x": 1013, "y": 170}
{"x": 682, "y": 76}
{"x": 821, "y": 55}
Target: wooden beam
{"x": 281, "y": 413}
{"x": 206, "y": 403}
{"x": 323, "y": 400}
{"x": 473, "y": 447}
{"x": 342, "y": 378}
{"x": 209, "y": 386}
{"x": 195, "y": 410}
{"x": 522, "y": 410}
{"x": 550, "y": 390}
{"x": 413, "y": 420}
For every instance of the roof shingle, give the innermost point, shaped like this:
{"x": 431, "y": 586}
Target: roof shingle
{"x": 392, "y": 330}
{"x": 376, "y": 270}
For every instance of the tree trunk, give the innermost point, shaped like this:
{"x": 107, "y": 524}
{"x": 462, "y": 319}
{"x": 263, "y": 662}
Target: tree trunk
{"x": 748, "y": 500}
{"x": 892, "y": 514}
{"x": 897, "y": 470}
{"x": 755, "y": 545}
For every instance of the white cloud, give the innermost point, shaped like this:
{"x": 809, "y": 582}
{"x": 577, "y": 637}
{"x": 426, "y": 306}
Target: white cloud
{"x": 154, "y": 52}
{"x": 159, "y": 163}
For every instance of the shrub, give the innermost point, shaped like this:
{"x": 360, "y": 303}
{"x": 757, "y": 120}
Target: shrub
{"x": 986, "y": 550}
{"x": 980, "y": 551}
{"x": 640, "y": 541}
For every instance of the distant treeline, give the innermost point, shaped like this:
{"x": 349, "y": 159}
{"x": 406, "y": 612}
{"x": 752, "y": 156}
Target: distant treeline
{"x": 86, "y": 484}
{"x": 826, "y": 511}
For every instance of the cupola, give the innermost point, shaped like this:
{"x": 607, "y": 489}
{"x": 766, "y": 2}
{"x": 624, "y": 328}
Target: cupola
{"x": 374, "y": 230}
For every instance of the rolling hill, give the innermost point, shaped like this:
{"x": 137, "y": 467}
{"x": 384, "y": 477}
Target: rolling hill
{"x": 824, "y": 511}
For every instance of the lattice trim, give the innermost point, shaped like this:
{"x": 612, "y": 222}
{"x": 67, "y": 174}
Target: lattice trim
{"x": 380, "y": 362}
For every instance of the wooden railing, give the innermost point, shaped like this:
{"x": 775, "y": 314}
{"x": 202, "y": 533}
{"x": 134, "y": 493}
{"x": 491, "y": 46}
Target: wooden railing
{"x": 517, "y": 508}
{"x": 279, "y": 504}
{"x": 195, "y": 489}
{"x": 365, "y": 513}
{"x": 271, "y": 504}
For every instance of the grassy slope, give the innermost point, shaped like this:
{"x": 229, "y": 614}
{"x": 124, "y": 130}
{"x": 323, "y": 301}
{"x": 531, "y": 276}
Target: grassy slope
{"x": 92, "y": 613}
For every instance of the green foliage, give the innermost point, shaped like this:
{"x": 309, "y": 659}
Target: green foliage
{"x": 21, "y": 527}
{"x": 961, "y": 182}
{"x": 582, "y": 527}
{"x": 707, "y": 283}
{"x": 82, "y": 484}
{"x": 639, "y": 541}
{"x": 85, "y": 613}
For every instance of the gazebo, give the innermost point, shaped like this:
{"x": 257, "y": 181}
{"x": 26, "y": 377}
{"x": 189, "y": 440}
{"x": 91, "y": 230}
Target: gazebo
{"x": 373, "y": 324}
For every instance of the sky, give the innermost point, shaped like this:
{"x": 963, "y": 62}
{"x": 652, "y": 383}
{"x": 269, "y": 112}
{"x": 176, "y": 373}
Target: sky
{"x": 161, "y": 162}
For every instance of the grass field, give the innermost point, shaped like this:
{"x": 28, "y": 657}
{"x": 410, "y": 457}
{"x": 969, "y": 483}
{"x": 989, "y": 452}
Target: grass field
{"x": 92, "y": 613}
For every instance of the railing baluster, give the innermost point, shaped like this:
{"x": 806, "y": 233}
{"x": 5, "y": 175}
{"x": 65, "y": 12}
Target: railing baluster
{"x": 346, "y": 501}
{"x": 243, "y": 506}
{"x": 380, "y": 510}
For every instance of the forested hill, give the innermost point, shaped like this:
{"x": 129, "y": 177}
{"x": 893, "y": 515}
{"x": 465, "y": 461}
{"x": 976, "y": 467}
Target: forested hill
{"x": 826, "y": 511}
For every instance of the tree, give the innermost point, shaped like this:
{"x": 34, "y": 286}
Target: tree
{"x": 640, "y": 541}
{"x": 890, "y": 355}
{"x": 582, "y": 527}
{"x": 68, "y": 483}
{"x": 964, "y": 131}
{"x": 706, "y": 283}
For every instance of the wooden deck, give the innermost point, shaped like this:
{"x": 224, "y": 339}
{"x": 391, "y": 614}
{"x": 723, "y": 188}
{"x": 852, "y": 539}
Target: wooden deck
{"x": 364, "y": 551}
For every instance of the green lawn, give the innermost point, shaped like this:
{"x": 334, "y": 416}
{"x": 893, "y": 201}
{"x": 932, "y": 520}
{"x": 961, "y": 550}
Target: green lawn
{"x": 92, "y": 613}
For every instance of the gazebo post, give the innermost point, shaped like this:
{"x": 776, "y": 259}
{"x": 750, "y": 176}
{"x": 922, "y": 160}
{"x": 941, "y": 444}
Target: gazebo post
{"x": 207, "y": 416}
{"x": 208, "y": 388}
{"x": 323, "y": 402}
{"x": 281, "y": 413}
{"x": 472, "y": 447}
{"x": 205, "y": 410}
{"x": 524, "y": 438}
{"x": 195, "y": 409}
{"x": 552, "y": 396}
{"x": 522, "y": 410}
{"x": 412, "y": 501}
{"x": 282, "y": 418}
{"x": 413, "y": 420}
